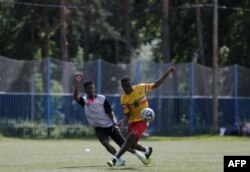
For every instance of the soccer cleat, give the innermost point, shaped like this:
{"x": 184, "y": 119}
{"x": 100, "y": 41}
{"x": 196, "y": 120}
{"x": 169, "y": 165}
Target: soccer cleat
{"x": 120, "y": 162}
{"x": 143, "y": 158}
{"x": 149, "y": 160}
{"x": 112, "y": 162}
{"x": 149, "y": 153}
{"x": 116, "y": 162}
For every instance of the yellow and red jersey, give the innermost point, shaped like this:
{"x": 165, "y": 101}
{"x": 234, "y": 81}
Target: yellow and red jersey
{"x": 136, "y": 101}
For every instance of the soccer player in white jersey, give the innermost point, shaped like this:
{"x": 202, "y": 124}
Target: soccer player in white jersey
{"x": 100, "y": 115}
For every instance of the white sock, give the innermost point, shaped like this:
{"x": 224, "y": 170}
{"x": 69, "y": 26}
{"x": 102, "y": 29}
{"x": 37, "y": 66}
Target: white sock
{"x": 137, "y": 153}
{"x": 147, "y": 150}
{"x": 115, "y": 157}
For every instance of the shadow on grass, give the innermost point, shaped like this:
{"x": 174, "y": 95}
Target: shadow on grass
{"x": 84, "y": 166}
{"x": 125, "y": 168}
{"x": 104, "y": 166}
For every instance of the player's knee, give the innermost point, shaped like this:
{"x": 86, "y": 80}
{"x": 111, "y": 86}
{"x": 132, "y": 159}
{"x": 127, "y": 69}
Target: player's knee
{"x": 132, "y": 139}
{"x": 120, "y": 143}
{"x": 105, "y": 143}
{"x": 133, "y": 136}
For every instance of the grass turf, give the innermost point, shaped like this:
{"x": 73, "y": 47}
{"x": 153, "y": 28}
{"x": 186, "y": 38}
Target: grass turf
{"x": 173, "y": 154}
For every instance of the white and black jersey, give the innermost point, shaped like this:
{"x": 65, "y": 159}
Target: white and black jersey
{"x": 96, "y": 111}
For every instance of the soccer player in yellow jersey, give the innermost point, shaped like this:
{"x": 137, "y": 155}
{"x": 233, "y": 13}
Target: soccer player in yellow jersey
{"x": 133, "y": 100}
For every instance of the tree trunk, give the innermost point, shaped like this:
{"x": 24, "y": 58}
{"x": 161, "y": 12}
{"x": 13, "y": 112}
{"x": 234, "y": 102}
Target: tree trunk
{"x": 63, "y": 30}
{"x": 64, "y": 45}
{"x": 201, "y": 53}
{"x": 32, "y": 29}
{"x": 127, "y": 31}
{"x": 45, "y": 49}
{"x": 165, "y": 31}
{"x": 199, "y": 31}
{"x": 215, "y": 66}
{"x": 87, "y": 20}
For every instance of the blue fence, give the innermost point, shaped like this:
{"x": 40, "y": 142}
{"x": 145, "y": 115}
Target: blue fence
{"x": 41, "y": 92}
{"x": 172, "y": 117}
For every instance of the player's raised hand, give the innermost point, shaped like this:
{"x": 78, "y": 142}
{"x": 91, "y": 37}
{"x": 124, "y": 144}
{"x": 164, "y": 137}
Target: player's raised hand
{"x": 171, "y": 69}
{"x": 78, "y": 77}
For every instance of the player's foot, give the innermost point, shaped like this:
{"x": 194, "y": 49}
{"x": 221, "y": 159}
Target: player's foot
{"x": 120, "y": 162}
{"x": 149, "y": 153}
{"x": 117, "y": 162}
{"x": 143, "y": 158}
{"x": 149, "y": 160}
{"x": 112, "y": 162}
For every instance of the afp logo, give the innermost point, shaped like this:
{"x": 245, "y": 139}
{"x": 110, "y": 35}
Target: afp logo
{"x": 236, "y": 163}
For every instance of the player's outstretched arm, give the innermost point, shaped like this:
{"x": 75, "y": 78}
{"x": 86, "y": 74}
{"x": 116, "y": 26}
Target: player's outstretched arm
{"x": 77, "y": 79}
{"x": 109, "y": 111}
{"x": 115, "y": 127}
{"x": 124, "y": 120}
{"x": 160, "y": 80}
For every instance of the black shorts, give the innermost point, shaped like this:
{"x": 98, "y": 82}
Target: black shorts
{"x": 103, "y": 134}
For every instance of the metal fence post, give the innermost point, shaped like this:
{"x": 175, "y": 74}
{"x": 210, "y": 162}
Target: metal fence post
{"x": 32, "y": 86}
{"x": 191, "y": 107}
{"x": 160, "y": 111}
{"x": 48, "y": 94}
{"x": 99, "y": 76}
{"x": 236, "y": 103}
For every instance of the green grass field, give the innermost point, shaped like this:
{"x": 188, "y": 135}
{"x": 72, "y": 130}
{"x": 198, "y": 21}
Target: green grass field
{"x": 180, "y": 154}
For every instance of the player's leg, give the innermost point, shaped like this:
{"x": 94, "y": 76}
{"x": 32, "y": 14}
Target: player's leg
{"x": 140, "y": 128}
{"x": 130, "y": 142}
{"x": 135, "y": 131}
{"x": 147, "y": 150}
{"x": 117, "y": 137}
{"x": 140, "y": 147}
{"x": 119, "y": 140}
{"x": 103, "y": 135}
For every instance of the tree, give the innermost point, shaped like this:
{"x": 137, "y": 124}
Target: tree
{"x": 87, "y": 23}
{"x": 127, "y": 31}
{"x": 32, "y": 30}
{"x": 165, "y": 31}
{"x": 46, "y": 37}
{"x": 63, "y": 30}
{"x": 104, "y": 29}
{"x": 199, "y": 33}
{"x": 64, "y": 44}
{"x": 45, "y": 45}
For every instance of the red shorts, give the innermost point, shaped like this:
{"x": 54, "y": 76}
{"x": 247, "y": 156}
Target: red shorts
{"x": 137, "y": 127}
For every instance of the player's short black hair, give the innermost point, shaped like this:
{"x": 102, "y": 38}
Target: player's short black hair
{"x": 125, "y": 79}
{"x": 86, "y": 83}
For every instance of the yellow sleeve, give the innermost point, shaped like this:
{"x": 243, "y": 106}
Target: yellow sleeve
{"x": 147, "y": 87}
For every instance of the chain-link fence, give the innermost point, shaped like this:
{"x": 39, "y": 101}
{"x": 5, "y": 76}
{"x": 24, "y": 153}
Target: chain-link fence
{"x": 41, "y": 91}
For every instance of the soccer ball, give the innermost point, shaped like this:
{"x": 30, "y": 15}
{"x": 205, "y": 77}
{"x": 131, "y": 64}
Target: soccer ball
{"x": 148, "y": 114}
